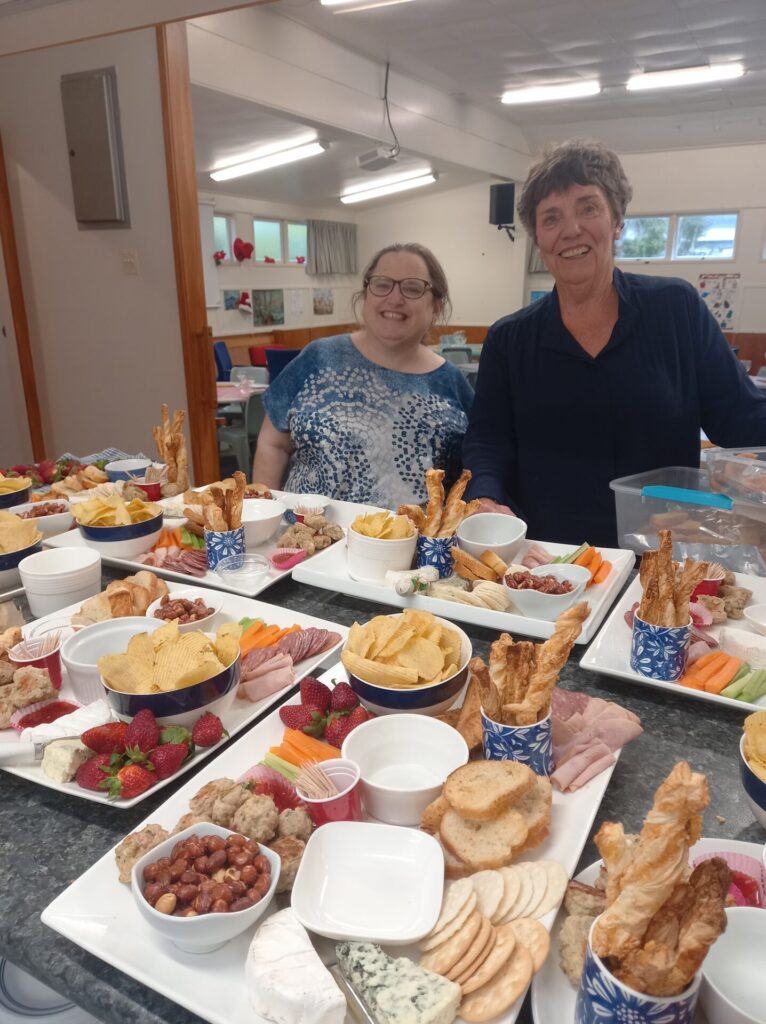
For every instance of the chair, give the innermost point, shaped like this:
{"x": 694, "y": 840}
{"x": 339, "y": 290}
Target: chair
{"x": 457, "y": 354}
{"x": 240, "y": 436}
{"x": 257, "y": 355}
{"x": 257, "y": 374}
{"x": 222, "y": 360}
{"x": 278, "y": 358}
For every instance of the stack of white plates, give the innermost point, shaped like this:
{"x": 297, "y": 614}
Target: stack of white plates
{"x": 23, "y": 998}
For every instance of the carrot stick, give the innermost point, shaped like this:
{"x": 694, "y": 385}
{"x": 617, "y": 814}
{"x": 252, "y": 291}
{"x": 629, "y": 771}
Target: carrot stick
{"x": 721, "y": 679}
{"x": 594, "y": 565}
{"x": 705, "y": 660}
{"x": 603, "y": 572}
{"x": 585, "y": 557}
{"x": 712, "y": 667}
{"x": 313, "y": 749}
{"x": 690, "y": 681}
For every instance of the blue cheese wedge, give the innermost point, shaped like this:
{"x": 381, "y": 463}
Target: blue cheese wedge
{"x": 62, "y": 758}
{"x": 395, "y": 990}
{"x": 286, "y": 981}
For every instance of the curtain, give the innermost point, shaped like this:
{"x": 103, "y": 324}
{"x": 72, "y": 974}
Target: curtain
{"x": 331, "y": 247}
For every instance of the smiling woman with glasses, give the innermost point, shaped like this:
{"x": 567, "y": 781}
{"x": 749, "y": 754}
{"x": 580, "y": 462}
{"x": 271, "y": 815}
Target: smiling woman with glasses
{"x": 361, "y": 416}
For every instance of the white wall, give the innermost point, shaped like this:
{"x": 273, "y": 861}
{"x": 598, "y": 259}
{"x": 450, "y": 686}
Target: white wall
{"x": 722, "y": 179}
{"x": 292, "y": 279}
{"x": 15, "y": 442}
{"x": 485, "y": 270}
{"x": 106, "y": 347}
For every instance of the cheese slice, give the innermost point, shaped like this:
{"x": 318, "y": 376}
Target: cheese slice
{"x": 62, "y": 758}
{"x": 286, "y": 981}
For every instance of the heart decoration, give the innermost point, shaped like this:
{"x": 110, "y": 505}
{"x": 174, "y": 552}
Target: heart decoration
{"x": 242, "y": 250}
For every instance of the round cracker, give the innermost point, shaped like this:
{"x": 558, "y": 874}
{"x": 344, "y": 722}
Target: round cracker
{"x": 525, "y": 892}
{"x": 474, "y": 950}
{"x": 434, "y": 939}
{"x": 534, "y": 937}
{"x": 499, "y": 955}
{"x": 501, "y": 991}
{"x": 489, "y": 888}
{"x": 441, "y": 959}
{"x": 472, "y": 968}
{"x": 539, "y": 880}
{"x": 558, "y": 879}
{"x": 453, "y": 901}
{"x": 511, "y": 890}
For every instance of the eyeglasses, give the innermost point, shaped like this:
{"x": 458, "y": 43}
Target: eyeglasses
{"x": 410, "y": 287}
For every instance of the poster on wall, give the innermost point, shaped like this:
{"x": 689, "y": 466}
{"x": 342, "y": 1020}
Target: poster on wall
{"x": 231, "y": 299}
{"x": 324, "y": 303}
{"x": 297, "y": 303}
{"x": 719, "y": 293}
{"x": 268, "y": 306}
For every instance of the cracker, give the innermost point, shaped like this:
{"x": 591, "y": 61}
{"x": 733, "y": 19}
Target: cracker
{"x": 505, "y": 943}
{"x": 473, "y": 967}
{"x": 489, "y": 887}
{"x": 525, "y": 891}
{"x": 501, "y": 991}
{"x": 534, "y": 938}
{"x": 434, "y": 939}
{"x": 511, "y": 890}
{"x": 445, "y": 956}
{"x": 558, "y": 879}
{"x": 483, "y": 936}
{"x": 455, "y": 898}
{"x": 539, "y": 879}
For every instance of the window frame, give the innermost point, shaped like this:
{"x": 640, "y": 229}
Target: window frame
{"x": 286, "y": 246}
{"x": 229, "y": 218}
{"x": 282, "y": 239}
{"x": 668, "y": 240}
{"x": 706, "y": 259}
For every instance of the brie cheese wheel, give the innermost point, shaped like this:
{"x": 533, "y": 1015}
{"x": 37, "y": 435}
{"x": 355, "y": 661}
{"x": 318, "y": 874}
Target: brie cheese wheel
{"x": 286, "y": 981}
{"x": 71, "y": 725}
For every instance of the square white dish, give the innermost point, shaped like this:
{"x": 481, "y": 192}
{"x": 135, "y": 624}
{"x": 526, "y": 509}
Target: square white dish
{"x": 610, "y": 651}
{"x": 329, "y": 570}
{"x": 368, "y": 882}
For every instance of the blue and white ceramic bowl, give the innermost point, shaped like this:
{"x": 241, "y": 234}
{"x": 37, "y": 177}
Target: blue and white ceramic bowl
{"x": 755, "y": 789}
{"x": 435, "y": 551}
{"x": 15, "y": 497}
{"x": 123, "y": 541}
{"x": 9, "y": 566}
{"x": 432, "y": 699}
{"x": 220, "y": 544}
{"x": 659, "y": 652}
{"x": 602, "y": 999}
{"x": 529, "y": 744}
{"x": 124, "y": 469}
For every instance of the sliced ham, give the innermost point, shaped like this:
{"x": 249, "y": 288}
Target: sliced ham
{"x": 565, "y": 702}
{"x": 586, "y": 732}
{"x": 568, "y": 775}
{"x": 271, "y": 675}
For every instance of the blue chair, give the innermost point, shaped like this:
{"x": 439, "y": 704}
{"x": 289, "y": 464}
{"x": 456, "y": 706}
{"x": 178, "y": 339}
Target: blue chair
{"x": 278, "y": 358}
{"x": 241, "y": 437}
{"x": 223, "y": 361}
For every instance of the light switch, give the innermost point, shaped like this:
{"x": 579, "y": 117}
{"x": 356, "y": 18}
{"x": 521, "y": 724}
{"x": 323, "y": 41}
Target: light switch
{"x": 129, "y": 259}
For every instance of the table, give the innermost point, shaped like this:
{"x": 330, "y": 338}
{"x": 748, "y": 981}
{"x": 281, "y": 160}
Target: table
{"x": 226, "y": 393}
{"x": 49, "y": 840}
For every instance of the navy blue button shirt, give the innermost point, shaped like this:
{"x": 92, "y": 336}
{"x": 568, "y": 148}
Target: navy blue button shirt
{"x": 551, "y": 425}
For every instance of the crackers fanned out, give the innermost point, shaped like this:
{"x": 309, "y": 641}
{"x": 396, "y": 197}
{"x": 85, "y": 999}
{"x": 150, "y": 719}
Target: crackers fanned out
{"x": 666, "y": 590}
{"x": 442, "y": 516}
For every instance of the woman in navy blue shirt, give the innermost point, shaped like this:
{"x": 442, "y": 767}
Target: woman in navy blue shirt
{"x": 609, "y": 375}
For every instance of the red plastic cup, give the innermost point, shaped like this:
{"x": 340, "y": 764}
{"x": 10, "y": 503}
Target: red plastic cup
{"x": 50, "y": 661}
{"x": 152, "y": 491}
{"x": 708, "y": 587}
{"x": 347, "y": 805}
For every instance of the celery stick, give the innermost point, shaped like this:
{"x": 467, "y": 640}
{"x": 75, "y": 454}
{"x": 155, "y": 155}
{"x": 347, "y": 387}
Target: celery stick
{"x": 738, "y": 684}
{"x": 753, "y": 688}
{"x": 290, "y": 771}
{"x": 744, "y": 671}
{"x": 567, "y": 559}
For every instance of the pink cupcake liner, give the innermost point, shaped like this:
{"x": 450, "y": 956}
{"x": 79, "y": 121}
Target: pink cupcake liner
{"x": 741, "y": 862}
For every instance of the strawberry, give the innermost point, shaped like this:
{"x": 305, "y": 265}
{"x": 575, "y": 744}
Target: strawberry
{"x": 337, "y": 730}
{"x": 357, "y": 717}
{"x": 106, "y": 739}
{"x": 208, "y": 730}
{"x": 305, "y": 719}
{"x": 143, "y": 731}
{"x": 343, "y": 698}
{"x": 97, "y": 770}
{"x": 167, "y": 759}
{"x": 315, "y": 694}
{"x": 130, "y": 781}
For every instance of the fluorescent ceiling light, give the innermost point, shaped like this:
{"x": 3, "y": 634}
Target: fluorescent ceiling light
{"x": 546, "y": 93}
{"x": 401, "y": 183}
{"x": 274, "y": 159}
{"x": 684, "y": 76}
{"x": 349, "y": 6}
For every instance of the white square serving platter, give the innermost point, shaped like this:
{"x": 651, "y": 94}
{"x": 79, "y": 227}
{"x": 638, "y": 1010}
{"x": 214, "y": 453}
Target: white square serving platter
{"x": 329, "y": 570}
{"x": 98, "y": 913}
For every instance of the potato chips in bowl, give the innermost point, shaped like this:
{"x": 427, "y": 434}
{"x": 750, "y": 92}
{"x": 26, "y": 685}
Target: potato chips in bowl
{"x": 377, "y": 543}
{"x": 118, "y": 528}
{"x": 412, "y": 661}
{"x": 18, "y": 538}
{"x": 14, "y": 489}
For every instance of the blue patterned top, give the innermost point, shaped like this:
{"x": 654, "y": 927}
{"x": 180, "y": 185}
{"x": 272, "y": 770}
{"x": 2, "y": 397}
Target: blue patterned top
{"x": 364, "y": 433}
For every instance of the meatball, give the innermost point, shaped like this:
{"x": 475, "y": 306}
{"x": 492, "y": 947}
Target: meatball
{"x": 188, "y": 820}
{"x": 134, "y": 846}
{"x": 227, "y": 804}
{"x": 290, "y": 851}
{"x": 295, "y": 823}
{"x": 202, "y": 802}
{"x": 257, "y": 819}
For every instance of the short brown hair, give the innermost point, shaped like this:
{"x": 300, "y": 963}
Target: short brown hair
{"x": 437, "y": 277}
{"x": 576, "y": 162}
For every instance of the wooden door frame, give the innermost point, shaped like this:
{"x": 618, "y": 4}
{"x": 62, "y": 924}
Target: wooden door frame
{"x": 199, "y": 361}
{"x": 19, "y": 315}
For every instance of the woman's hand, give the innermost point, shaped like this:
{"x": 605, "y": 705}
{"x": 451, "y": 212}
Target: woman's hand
{"x": 488, "y": 505}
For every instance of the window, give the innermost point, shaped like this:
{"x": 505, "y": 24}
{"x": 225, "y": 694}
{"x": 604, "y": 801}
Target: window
{"x": 297, "y": 243}
{"x": 644, "y": 238}
{"x": 267, "y": 235}
{"x": 222, "y": 233}
{"x": 705, "y": 236}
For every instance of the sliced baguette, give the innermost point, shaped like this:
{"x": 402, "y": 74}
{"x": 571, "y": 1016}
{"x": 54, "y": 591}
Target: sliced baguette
{"x": 483, "y": 844}
{"x": 480, "y": 790}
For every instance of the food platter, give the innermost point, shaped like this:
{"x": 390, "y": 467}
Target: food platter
{"x": 98, "y": 913}
{"x": 329, "y": 570}
{"x": 553, "y": 997}
{"x": 610, "y": 651}
{"x": 241, "y": 714}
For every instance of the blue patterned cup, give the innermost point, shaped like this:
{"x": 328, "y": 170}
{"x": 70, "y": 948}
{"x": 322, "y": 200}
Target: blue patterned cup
{"x": 219, "y": 544}
{"x": 659, "y": 652}
{"x": 602, "y": 999}
{"x": 530, "y": 744}
{"x": 435, "y": 551}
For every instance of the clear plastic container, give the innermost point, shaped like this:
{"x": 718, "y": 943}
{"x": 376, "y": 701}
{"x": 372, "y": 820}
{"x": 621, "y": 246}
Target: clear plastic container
{"x": 739, "y": 472}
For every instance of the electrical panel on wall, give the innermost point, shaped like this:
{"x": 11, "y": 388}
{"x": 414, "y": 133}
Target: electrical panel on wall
{"x": 92, "y": 124}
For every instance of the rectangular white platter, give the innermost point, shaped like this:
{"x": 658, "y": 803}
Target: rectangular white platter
{"x": 235, "y": 720}
{"x": 340, "y": 512}
{"x": 610, "y": 651}
{"x": 329, "y": 570}
{"x": 97, "y": 912}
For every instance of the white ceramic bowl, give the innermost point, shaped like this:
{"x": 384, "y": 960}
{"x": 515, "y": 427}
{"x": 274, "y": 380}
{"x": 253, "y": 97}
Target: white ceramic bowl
{"x": 756, "y": 616}
{"x": 48, "y": 525}
{"x": 214, "y": 599}
{"x": 80, "y": 653}
{"x": 261, "y": 518}
{"x": 60, "y": 570}
{"x": 732, "y": 989}
{"x": 123, "y": 541}
{"x": 206, "y": 932}
{"x": 313, "y": 501}
{"x": 370, "y": 558}
{"x": 403, "y": 761}
{"x": 492, "y": 531}
{"x": 549, "y": 606}
{"x": 365, "y": 882}
{"x": 123, "y": 469}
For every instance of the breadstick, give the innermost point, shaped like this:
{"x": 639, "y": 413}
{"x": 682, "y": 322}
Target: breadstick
{"x": 414, "y": 513}
{"x": 435, "y": 488}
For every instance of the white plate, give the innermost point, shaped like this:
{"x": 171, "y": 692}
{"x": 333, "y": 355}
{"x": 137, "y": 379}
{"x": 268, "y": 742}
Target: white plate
{"x": 340, "y": 512}
{"x": 610, "y": 651}
{"x": 25, "y": 999}
{"x": 329, "y": 570}
{"x": 553, "y": 996}
{"x": 98, "y": 913}
{"x": 333, "y": 894}
{"x": 240, "y": 714}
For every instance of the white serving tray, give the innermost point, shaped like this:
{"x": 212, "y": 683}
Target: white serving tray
{"x": 340, "y": 512}
{"x": 610, "y": 651}
{"x": 239, "y": 715}
{"x": 553, "y": 996}
{"x": 97, "y": 912}
{"x": 329, "y": 570}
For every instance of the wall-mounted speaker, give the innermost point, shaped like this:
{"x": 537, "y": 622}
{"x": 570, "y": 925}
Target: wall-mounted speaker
{"x": 501, "y": 203}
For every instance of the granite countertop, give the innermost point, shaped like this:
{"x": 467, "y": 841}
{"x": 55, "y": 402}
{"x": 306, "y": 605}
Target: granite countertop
{"x": 48, "y": 840}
